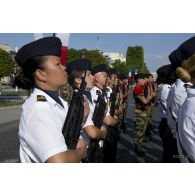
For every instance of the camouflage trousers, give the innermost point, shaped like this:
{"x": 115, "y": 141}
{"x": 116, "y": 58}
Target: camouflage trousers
{"x": 140, "y": 126}
{"x": 149, "y": 127}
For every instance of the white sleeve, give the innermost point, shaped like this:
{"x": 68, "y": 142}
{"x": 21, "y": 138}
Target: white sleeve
{"x": 44, "y": 134}
{"x": 89, "y": 119}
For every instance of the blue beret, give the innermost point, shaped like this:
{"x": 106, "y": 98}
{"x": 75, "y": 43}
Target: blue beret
{"x": 99, "y": 68}
{"x": 176, "y": 58}
{"x": 41, "y": 47}
{"x": 188, "y": 48}
{"x": 111, "y": 71}
{"x": 80, "y": 64}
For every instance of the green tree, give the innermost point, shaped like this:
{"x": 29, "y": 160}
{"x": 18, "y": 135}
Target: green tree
{"x": 120, "y": 67}
{"x": 6, "y": 63}
{"x": 135, "y": 58}
{"x": 94, "y": 55}
{"x": 73, "y": 54}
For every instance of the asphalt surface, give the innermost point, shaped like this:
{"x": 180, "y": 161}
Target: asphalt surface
{"x": 9, "y": 143}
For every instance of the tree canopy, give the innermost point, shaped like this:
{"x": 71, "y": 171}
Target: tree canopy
{"x": 135, "y": 59}
{"x": 94, "y": 55}
{"x": 6, "y": 63}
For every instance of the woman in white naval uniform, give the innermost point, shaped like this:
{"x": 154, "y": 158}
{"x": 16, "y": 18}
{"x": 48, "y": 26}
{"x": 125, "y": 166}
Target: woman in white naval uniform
{"x": 76, "y": 70}
{"x": 186, "y": 118}
{"x": 44, "y": 112}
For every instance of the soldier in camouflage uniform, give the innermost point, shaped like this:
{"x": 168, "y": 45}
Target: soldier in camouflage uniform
{"x": 140, "y": 113}
{"x": 149, "y": 90}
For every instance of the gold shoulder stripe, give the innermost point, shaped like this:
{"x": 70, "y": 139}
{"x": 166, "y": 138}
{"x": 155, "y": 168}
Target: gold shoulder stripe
{"x": 41, "y": 98}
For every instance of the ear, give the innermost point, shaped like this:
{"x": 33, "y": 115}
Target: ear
{"x": 78, "y": 80}
{"x": 40, "y": 75}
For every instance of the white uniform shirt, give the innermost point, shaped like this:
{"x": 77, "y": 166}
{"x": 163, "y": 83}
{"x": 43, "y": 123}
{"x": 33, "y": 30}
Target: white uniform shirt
{"x": 109, "y": 92}
{"x": 163, "y": 99}
{"x": 94, "y": 95}
{"x": 186, "y": 127}
{"x": 88, "y": 122}
{"x": 40, "y": 128}
{"x": 176, "y": 98}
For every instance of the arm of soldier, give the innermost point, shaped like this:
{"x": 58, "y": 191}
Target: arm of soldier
{"x": 110, "y": 121}
{"x": 86, "y": 111}
{"x": 70, "y": 156}
{"x": 145, "y": 100}
{"x": 119, "y": 111}
{"x": 93, "y": 132}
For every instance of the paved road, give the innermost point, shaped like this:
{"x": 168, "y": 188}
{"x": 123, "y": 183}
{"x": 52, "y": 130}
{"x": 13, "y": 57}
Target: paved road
{"x": 9, "y": 144}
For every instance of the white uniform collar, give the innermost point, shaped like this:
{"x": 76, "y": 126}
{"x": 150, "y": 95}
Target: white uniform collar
{"x": 37, "y": 91}
{"x": 190, "y": 92}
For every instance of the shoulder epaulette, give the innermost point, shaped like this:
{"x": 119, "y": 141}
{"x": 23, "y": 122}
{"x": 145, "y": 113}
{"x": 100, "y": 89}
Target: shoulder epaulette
{"x": 41, "y": 98}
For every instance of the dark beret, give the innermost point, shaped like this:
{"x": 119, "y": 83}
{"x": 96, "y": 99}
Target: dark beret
{"x": 41, "y": 47}
{"x": 164, "y": 70}
{"x": 111, "y": 71}
{"x": 80, "y": 64}
{"x": 139, "y": 76}
{"x": 188, "y": 48}
{"x": 99, "y": 68}
{"x": 122, "y": 76}
{"x": 176, "y": 58}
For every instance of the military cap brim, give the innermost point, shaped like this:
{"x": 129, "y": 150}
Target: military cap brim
{"x": 139, "y": 76}
{"x": 122, "y": 76}
{"x": 79, "y": 64}
{"x": 99, "y": 68}
{"x": 41, "y": 47}
{"x": 111, "y": 71}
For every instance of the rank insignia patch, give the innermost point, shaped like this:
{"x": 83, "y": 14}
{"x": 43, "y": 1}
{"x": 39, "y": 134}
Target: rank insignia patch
{"x": 41, "y": 98}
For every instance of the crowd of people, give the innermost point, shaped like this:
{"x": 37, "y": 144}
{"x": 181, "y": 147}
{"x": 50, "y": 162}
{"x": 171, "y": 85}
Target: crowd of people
{"x": 103, "y": 103}
{"x": 44, "y": 113}
{"x": 177, "y": 104}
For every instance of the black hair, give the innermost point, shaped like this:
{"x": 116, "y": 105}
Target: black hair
{"x": 73, "y": 75}
{"x": 26, "y": 78}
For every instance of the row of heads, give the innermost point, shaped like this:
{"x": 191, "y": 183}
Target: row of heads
{"x": 53, "y": 46}
{"x": 178, "y": 59}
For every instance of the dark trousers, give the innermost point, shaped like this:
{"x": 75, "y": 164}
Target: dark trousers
{"x": 169, "y": 143}
{"x": 110, "y": 145}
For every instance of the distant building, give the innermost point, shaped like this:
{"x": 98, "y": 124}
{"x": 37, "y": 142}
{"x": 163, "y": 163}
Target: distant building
{"x": 9, "y": 49}
{"x": 114, "y": 56}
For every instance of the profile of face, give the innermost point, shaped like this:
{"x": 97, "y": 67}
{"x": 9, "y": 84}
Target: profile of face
{"x": 54, "y": 75}
{"x": 101, "y": 78}
{"x": 112, "y": 80}
{"x": 141, "y": 81}
{"x": 89, "y": 80}
{"x": 151, "y": 79}
{"x": 146, "y": 80}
